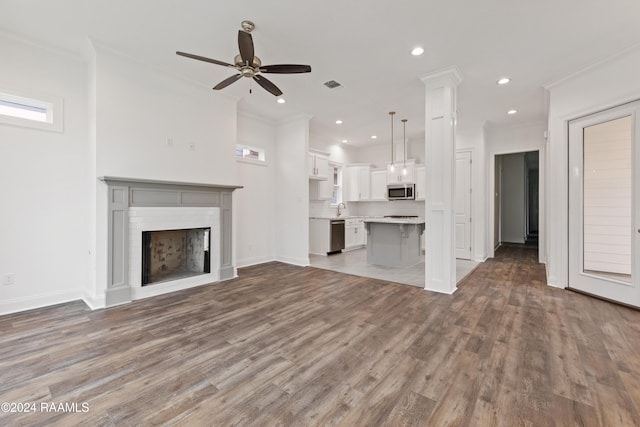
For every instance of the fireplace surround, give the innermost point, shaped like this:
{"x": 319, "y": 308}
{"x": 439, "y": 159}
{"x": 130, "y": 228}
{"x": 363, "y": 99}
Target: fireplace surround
{"x": 127, "y": 194}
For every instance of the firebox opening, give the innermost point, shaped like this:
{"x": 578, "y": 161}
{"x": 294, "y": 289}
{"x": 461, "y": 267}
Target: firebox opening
{"x": 175, "y": 254}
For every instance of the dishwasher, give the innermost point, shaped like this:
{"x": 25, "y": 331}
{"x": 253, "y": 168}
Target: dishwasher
{"x": 336, "y": 243}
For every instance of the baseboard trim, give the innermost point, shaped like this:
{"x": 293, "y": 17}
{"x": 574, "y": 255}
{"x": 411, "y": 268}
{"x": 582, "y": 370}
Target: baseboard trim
{"x": 254, "y": 261}
{"x": 302, "y": 262}
{"x": 94, "y": 303}
{"x": 38, "y": 301}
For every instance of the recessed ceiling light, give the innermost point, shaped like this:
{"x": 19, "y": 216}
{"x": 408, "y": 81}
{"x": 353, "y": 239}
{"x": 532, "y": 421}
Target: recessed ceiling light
{"x": 338, "y": 122}
{"x": 512, "y": 111}
{"x": 281, "y": 101}
{"x": 374, "y": 136}
{"x": 504, "y": 81}
{"x": 417, "y": 51}
{"x": 345, "y": 141}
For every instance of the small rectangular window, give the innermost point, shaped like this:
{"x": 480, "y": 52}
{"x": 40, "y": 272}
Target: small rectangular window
{"x": 337, "y": 185}
{"x": 251, "y": 154}
{"x": 37, "y": 113}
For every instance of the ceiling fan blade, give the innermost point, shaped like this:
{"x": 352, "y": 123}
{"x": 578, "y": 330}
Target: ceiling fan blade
{"x": 227, "y": 82}
{"x": 285, "y": 69}
{"x": 202, "y": 58}
{"x": 265, "y": 83}
{"x": 245, "y": 43}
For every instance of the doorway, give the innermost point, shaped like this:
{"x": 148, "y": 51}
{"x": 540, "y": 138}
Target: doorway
{"x": 604, "y": 193}
{"x": 516, "y": 200}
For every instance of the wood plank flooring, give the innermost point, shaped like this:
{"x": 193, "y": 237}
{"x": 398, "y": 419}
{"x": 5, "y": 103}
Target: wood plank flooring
{"x": 290, "y": 346}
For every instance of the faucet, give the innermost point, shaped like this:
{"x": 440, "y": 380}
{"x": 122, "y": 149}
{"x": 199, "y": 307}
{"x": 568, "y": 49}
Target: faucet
{"x": 340, "y": 204}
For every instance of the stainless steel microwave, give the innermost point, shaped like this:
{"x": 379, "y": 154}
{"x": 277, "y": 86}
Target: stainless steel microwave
{"x": 401, "y": 192}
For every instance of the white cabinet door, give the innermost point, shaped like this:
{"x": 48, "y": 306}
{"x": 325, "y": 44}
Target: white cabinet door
{"x": 350, "y": 236}
{"x": 357, "y": 183}
{"x": 354, "y": 233}
{"x": 359, "y": 238}
{"x": 379, "y": 185}
{"x": 322, "y": 167}
{"x": 317, "y": 166}
{"x": 421, "y": 182}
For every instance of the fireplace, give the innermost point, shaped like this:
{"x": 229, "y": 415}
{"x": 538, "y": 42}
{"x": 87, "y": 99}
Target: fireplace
{"x": 175, "y": 254}
{"x": 135, "y": 206}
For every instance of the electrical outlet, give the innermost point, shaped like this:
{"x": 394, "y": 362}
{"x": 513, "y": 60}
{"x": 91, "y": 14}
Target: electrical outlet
{"x": 192, "y": 146}
{"x": 9, "y": 279}
{"x": 169, "y": 142}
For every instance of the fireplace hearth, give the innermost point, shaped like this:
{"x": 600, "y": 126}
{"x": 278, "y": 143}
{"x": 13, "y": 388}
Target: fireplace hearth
{"x": 175, "y": 254}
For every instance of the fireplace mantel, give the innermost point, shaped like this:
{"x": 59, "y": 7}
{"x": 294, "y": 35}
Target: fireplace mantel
{"x": 124, "y": 193}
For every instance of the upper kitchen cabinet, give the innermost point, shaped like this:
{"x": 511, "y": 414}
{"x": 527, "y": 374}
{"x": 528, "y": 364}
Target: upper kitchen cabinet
{"x": 357, "y": 180}
{"x": 421, "y": 182}
{"x": 322, "y": 189}
{"x": 379, "y": 185}
{"x": 397, "y": 177}
{"x": 318, "y": 166}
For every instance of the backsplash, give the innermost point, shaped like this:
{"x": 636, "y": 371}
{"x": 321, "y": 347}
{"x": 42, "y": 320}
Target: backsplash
{"x": 321, "y": 208}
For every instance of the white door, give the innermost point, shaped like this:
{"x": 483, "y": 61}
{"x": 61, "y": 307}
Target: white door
{"x": 463, "y": 205}
{"x": 604, "y": 198}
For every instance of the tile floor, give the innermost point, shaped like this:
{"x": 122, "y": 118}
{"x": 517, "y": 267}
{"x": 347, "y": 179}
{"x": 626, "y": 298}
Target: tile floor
{"x": 355, "y": 262}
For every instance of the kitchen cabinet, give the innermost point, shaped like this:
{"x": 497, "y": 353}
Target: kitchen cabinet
{"x": 357, "y": 183}
{"x": 355, "y": 235}
{"x": 397, "y": 177}
{"x": 318, "y": 166}
{"x": 421, "y": 182}
{"x": 379, "y": 185}
{"x": 319, "y": 236}
{"x": 322, "y": 190}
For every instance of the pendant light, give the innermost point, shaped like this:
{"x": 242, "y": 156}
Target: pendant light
{"x": 404, "y": 139}
{"x": 392, "y": 166}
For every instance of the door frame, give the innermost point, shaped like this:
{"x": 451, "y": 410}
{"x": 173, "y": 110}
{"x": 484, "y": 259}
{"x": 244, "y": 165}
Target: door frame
{"x": 590, "y": 285}
{"x": 541, "y": 198}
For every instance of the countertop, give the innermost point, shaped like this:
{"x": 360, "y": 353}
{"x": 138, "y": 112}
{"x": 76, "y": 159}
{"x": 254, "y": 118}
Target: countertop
{"x": 380, "y": 219}
{"x": 339, "y": 217}
{"x": 396, "y": 220}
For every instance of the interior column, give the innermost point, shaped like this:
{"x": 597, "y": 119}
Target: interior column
{"x": 440, "y": 122}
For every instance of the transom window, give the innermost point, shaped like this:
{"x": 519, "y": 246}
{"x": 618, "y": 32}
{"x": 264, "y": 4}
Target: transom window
{"x": 31, "y": 112}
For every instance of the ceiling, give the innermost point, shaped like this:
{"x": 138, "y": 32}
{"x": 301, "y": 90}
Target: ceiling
{"x": 363, "y": 44}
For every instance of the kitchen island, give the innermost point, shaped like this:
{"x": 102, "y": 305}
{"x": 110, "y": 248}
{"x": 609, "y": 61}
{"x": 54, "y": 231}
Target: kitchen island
{"x": 393, "y": 241}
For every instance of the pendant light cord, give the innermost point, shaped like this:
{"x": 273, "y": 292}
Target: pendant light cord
{"x": 391, "y": 113}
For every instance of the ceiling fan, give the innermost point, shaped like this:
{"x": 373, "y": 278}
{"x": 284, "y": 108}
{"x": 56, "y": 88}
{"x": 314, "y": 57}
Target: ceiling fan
{"x": 249, "y": 65}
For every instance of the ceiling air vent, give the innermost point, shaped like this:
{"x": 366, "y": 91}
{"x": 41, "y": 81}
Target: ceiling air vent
{"x": 332, "y": 84}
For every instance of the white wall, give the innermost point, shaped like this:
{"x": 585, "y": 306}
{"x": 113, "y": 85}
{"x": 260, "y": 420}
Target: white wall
{"x": 512, "y": 201}
{"x": 255, "y": 203}
{"x": 602, "y": 86}
{"x": 137, "y": 109}
{"x": 45, "y": 217}
{"x": 379, "y": 153}
{"x": 292, "y": 191}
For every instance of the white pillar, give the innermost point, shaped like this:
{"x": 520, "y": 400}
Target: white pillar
{"x": 440, "y": 123}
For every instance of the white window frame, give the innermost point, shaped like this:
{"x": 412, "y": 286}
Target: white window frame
{"x": 340, "y": 183}
{"x": 51, "y": 104}
{"x": 259, "y": 162}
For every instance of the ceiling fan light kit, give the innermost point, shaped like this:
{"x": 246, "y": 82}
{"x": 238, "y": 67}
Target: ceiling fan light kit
{"x": 247, "y": 64}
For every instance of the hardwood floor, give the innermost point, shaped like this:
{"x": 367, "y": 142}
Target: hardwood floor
{"x": 291, "y": 346}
